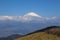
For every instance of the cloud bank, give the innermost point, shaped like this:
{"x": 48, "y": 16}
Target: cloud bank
{"x": 28, "y": 17}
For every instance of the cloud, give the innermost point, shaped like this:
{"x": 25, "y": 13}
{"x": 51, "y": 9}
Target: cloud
{"x": 52, "y": 18}
{"x": 28, "y": 17}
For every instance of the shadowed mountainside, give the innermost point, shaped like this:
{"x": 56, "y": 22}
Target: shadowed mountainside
{"x": 49, "y": 33}
{"x": 50, "y": 30}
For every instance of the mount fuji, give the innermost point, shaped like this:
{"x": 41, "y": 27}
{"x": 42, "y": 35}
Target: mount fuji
{"x": 28, "y": 17}
{"x": 25, "y": 24}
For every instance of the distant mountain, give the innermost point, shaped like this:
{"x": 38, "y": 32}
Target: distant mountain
{"x": 11, "y": 37}
{"x": 49, "y": 33}
{"x": 27, "y": 17}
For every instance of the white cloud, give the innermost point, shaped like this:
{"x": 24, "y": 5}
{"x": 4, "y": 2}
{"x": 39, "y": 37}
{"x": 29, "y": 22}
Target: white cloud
{"x": 54, "y": 18}
{"x": 28, "y": 17}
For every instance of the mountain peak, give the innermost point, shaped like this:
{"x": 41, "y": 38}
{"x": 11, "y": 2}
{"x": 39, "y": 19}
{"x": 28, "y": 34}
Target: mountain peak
{"x": 32, "y": 14}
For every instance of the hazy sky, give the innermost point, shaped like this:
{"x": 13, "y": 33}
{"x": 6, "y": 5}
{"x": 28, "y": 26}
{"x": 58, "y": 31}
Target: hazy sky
{"x": 20, "y": 7}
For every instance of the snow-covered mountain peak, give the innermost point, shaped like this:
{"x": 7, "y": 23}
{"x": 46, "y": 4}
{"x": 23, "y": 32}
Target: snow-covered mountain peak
{"x": 28, "y": 17}
{"x": 32, "y": 14}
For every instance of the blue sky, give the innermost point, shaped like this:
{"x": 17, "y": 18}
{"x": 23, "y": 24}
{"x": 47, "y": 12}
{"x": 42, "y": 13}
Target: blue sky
{"x": 46, "y": 8}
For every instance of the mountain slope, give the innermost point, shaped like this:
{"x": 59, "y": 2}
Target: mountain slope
{"x": 45, "y": 34}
